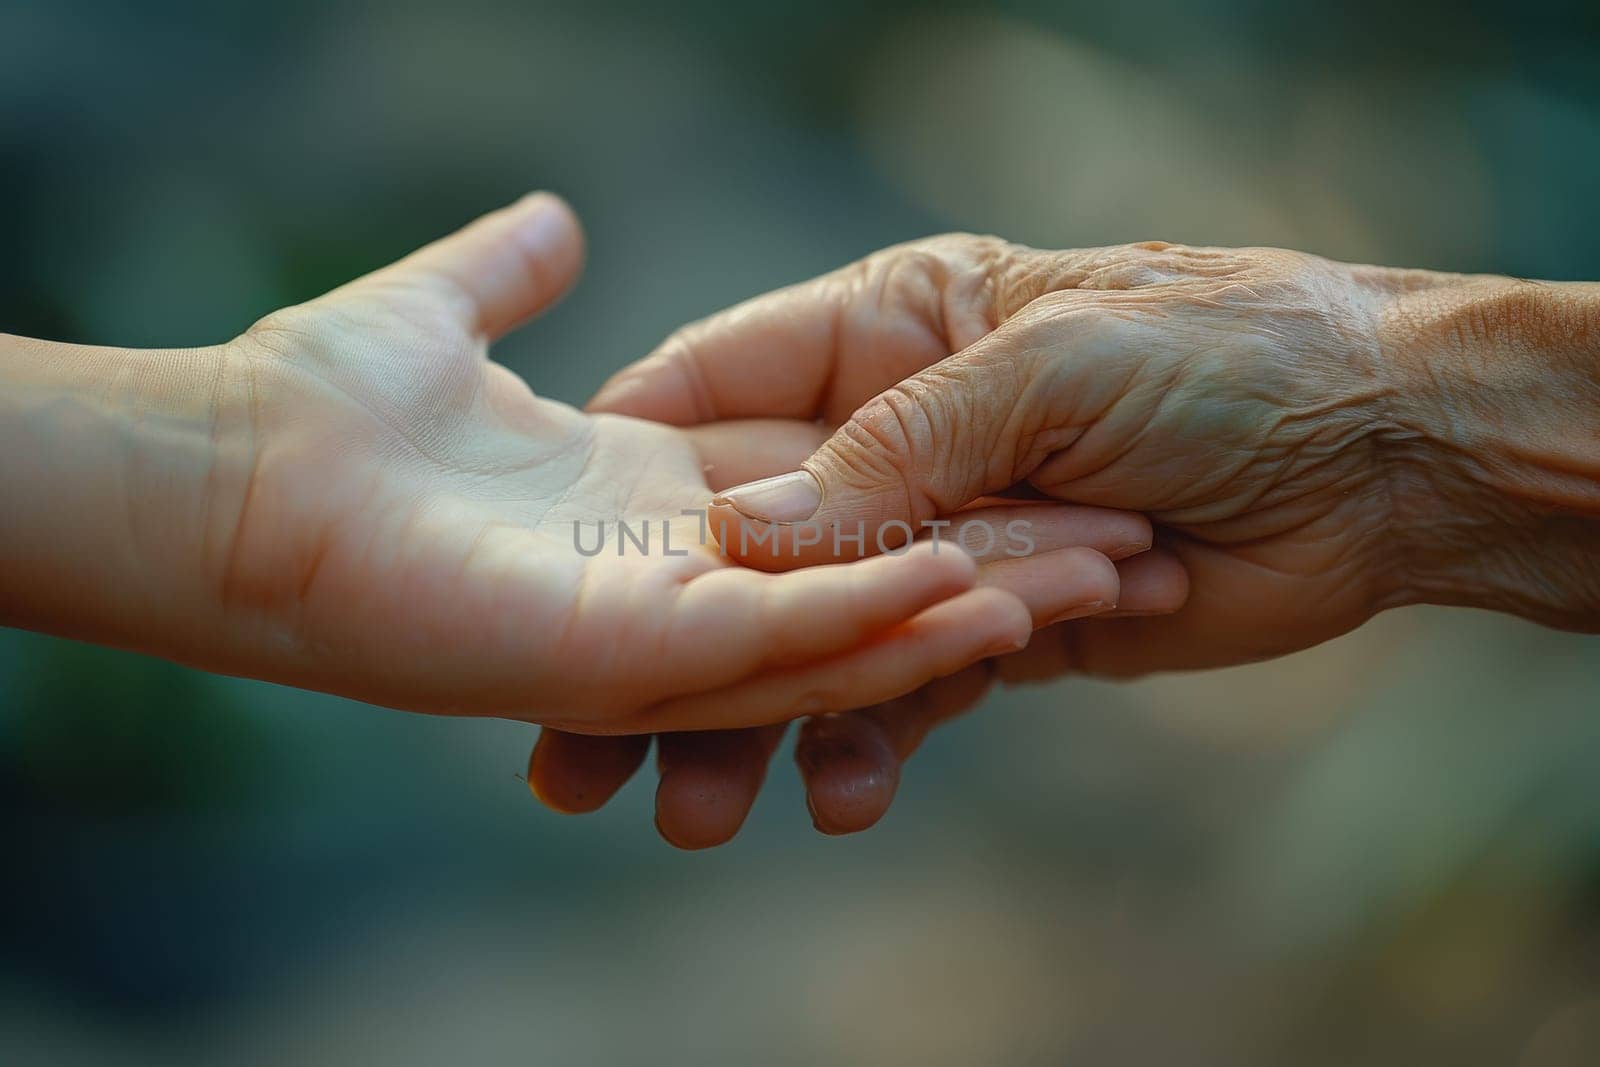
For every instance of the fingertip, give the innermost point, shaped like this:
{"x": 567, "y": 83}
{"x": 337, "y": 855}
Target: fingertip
{"x": 574, "y": 774}
{"x": 1098, "y": 579}
{"x": 553, "y": 211}
{"x": 850, "y": 771}
{"x": 987, "y": 621}
{"x": 947, "y": 568}
{"x": 709, "y": 781}
{"x": 1064, "y": 583}
{"x": 1180, "y": 584}
{"x": 1155, "y": 583}
{"x": 548, "y": 779}
{"x": 552, "y": 239}
{"x": 755, "y": 544}
{"x": 699, "y": 807}
{"x": 1138, "y": 532}
{"x": 1013, "y": 628}
{"x": 542, "y": 200}
{"x": 963, "y": 563}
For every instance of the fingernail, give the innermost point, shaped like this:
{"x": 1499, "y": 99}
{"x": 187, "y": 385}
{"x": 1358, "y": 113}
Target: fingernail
{"x": 1005, "y": 646}
{"x": 792, "y": 497}
{"x": 1081, "y": 611}
{"x": 545, "y": 229}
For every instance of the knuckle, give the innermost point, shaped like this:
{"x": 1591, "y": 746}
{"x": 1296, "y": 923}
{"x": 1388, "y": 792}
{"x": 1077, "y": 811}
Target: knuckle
{"x": 962, "y": 247}
{"x": 678, "y": 353}
{"x": 876, "y": 446}
{"x": 899, "y": 425}
{"x": 944, "y": 253}
{"x": 1090, "y": 320}
{"x": 1134, "y": 266}
{"x": 912, "y": 433}
{"x": 941, "y": 244}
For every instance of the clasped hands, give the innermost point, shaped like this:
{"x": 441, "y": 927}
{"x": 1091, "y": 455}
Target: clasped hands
{"x": 1260, "y": 405}
{"x": 427, "y": 530}
{"x": 1213, "y": 456}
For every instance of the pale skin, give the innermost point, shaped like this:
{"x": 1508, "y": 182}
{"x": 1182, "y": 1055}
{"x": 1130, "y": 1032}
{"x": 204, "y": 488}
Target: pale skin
{"x": 350, "y": 497}
{"x": 1315, "y": 441}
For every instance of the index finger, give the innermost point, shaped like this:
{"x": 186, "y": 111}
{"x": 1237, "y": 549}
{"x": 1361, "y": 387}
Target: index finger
{"x": 821, "y": 348}
{"x": 770, "y": 356}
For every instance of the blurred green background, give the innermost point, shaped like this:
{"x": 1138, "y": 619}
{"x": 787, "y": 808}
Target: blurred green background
{"x": 1383, "y": 851}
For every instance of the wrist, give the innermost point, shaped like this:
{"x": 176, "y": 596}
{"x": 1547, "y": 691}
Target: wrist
{"x": 1492, "y": 445}
{"x": 115, "y": 465}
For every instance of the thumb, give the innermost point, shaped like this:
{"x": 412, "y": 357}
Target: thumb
{"x": 499, "y": 270}
{"x": 957, "y": 431}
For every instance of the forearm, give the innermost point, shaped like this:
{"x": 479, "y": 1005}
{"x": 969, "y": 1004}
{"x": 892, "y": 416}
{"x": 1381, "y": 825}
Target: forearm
{"x": 1496, "y": 445}
{"x": 115, "y": 469}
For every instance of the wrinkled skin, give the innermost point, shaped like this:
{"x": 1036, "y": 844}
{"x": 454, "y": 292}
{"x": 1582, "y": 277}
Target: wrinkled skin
{"x": 1262, "y": 406}
{"x": 1234, "y": 396}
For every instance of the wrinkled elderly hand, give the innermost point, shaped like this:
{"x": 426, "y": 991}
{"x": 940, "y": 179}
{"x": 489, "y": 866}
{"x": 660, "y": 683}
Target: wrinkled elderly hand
{"x": 1317, "y": 441}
